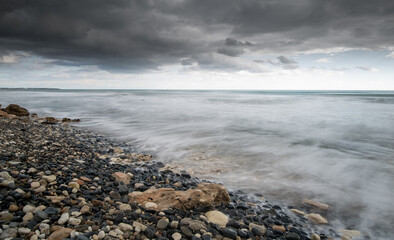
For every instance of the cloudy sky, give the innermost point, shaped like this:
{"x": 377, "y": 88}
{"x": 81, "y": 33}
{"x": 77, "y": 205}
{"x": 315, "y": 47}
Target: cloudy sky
{"x": 197, "y": 44}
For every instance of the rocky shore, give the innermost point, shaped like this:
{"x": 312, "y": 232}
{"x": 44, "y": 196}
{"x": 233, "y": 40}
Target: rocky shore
{"x": 58, "y": 181}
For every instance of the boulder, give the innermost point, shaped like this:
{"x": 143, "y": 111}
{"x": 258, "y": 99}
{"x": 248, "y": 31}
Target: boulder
{"x": 16, "y": 110}
{"x": 206, "y": 194}
{"x": 51, "y": 120}
{"x": 3, "y": 114}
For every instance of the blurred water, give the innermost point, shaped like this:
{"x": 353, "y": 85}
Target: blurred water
{"x": 336, "y": 147}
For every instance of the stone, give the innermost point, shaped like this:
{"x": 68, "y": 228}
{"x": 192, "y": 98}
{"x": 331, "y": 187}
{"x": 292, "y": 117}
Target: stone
{"x": 35, "y": 184}
{"x": 279, "y": 228}
{"x": 23, "y": 231}
{"x": 196, "y": 225}
{"x": 51, "y": 120}
{"x": 73, "y": 185}
{"x": 292, "y": 236}
{"x": 186, "y": 231}
{"x": 122, "y": 177}
{"x": 150, "y": 205}
{"x": 85, "y": 210}
{"x": 101, "y": 235}
{"x": 63, "y": 218}
{"x": 296, "y": 211}
{"x": 174, "y": 224}
{"x": 6, "y": 216}
{"x": 176, "y": 236}
{"x": 28, "y": 216}
{"x": 206, "y": 194}
{"x": 316, "y": 218}
{"x": 230, "y": 233}
{"x": 125, "y": 227}
{"x": 262, "y": 229}
{"x": 316, "y": 204}
{"x": 74, "y": 221}
{"x": 41, "y": 214}
{"x": 9, "y": 233}
{"x": 217, "y": 217}
{"x": 3, "y": 114}
{"x": 350, "y": 233}
{"x": 140, "y": 225}
{"x": 13, "y": 208}
{"x": 49, "y": 178}
{"x": 124, "y": 207}
{"x": 17, "y": 110}
{"x": 60, "y": 234}
{"x": 163, "y": 223}
{"x": 315, "y": 236}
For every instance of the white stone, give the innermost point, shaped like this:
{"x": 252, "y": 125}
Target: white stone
{"x": 150, "y": 205}
{"x": 101, "y": 235}
{"x": 125, "y": 227}
{"x": 64, "y": 218}
{"x": 28, "y": 208}
{"x": 176, "y": 236}
{"x": 74, "y": 221}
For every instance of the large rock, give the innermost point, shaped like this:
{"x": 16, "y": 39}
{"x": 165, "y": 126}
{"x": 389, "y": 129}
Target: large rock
{"x": 122, "y": 177}
{"x": 17, "y": 110}
{"x": 3, "y": 114}
{"x": 206, "y": 194}
{"x": 316, "y": 218}
{"x": 60, "y": 234}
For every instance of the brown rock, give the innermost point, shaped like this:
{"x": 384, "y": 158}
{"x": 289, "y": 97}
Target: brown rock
{"x": 206, "y": 194}
{"x": 97, "y": 203}
{"x": 316, "y": 218}
{"x": 3, "y": 114}
{"x": 56, "y": 199}
{"x": 60, "y": 234}
{"x": 85, "y": 179}
{"x": 13, "y": 208}
{"x": 296, "y": 211}
{"x": 16, "y": 110}
{"x": 316, "y": 204}
{"x": 51, "y": 120}
{"x": 122, "y": 177}
{"x": 279, "y": 228}
{"x": 315, "y": 236}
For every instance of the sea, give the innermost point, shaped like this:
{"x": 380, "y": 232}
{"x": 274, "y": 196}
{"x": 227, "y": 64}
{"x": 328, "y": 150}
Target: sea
{"x": 336, "y": 147}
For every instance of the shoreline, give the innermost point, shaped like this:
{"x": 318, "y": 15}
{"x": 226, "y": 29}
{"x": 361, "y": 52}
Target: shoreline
{"x": 61, "y": 179}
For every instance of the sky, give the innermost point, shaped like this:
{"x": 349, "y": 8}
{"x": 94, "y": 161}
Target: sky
{"x": 198, "y": 44}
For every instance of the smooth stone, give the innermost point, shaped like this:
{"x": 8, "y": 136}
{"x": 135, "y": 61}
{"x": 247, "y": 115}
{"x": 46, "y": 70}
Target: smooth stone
{"x": 292, "y": 236}
{"x": 24, "y": 231}
{"x": 6, "y": 216}
{"x": 150, "y": 205}
{"x": 125, "y": 227}
{"x": 9, "y": 233}
{"x": 35, "y": 185}
{"x": 28, "y": 216}
{"x": 217, "y": 217}
{"x": 176, "y": 236}
{"x": 150, "y": 232}
{"x": 260, "y": 228}
{"x": 74, "y": 221}
{"x": 60, "y": 234}
{"x": 174, "y": 224}
{"x": 315, "y": 236}
{"x": 162, "y": 223}
{"x": 51, "y": 211}
{"x": 41, "y": 214}
{"x": 316, "y": 218}
{"x": 49, "y": 178}
{"x": 29, "y": 208}
{"x": 101, "y": 234}
{"x": 124, "y": 207}
{"x": 63, "y": 218}
{"x": 230, "y": 233}
{"x": 186, "y": 231}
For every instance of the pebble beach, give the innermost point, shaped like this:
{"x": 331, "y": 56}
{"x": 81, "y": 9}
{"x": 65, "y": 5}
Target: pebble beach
{"x": 60, "y": 181}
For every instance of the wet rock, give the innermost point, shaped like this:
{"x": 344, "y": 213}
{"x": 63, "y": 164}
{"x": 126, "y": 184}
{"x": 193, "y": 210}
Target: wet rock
{"x": 292, "y": 236}
{"x": 352, "y": 234}
{"x": 16, "y": 110}
{"x": 230, "y": 233}
{"x": 279, "y": 228}
{"x": 296, "y": 211}
{"x": 316, "y": 218}
{"x": 316, "y": 204}
{"x": 206, "y": 194}
{"x": 315, "y": 236}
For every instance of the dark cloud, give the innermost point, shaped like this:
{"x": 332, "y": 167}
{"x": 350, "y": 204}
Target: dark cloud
{"x": 232, "y": 52}
{"x": 134, "y": 35}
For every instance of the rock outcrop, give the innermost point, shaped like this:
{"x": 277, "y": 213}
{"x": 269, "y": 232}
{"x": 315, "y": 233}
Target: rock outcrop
{"x": 17, "y": 110}
{"x": 206, "y": 194}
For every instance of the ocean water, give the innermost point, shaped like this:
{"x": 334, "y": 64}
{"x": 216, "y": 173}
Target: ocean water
{"x": 334, "y": 147}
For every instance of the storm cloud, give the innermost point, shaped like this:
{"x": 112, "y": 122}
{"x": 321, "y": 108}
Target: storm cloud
{"x": 138, "y": 35}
